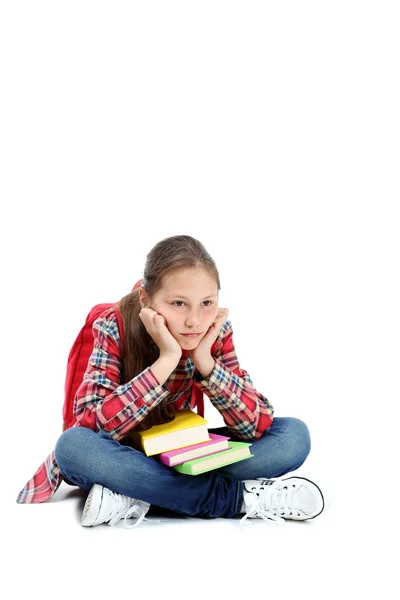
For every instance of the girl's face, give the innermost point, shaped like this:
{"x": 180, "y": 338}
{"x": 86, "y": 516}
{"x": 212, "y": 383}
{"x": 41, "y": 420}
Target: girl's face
{"x": 188, "y": 301}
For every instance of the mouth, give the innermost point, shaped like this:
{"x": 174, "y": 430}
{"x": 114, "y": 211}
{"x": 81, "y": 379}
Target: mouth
{"x": 194, "y": 335}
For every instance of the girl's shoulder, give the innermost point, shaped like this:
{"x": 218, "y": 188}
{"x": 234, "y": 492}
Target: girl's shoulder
{"x": 110, "y": 322}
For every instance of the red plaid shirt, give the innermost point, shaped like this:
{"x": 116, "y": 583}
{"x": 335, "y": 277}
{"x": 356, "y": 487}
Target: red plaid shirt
{"x": 103, "y": 404}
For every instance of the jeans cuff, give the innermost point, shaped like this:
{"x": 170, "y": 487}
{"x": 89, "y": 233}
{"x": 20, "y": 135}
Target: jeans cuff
{"x": 239, "y": 497}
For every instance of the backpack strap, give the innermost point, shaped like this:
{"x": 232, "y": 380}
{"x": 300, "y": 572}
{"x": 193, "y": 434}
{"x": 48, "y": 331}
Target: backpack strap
{"x": 197, "y": 400}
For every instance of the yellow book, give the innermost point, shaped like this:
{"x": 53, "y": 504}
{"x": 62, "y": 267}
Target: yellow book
{"x": 187, "y": 428}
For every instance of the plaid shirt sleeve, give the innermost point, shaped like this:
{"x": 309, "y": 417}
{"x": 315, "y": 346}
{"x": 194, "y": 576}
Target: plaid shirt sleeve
{"x": 101, "y": 403}
{"x": 246, "y": 412}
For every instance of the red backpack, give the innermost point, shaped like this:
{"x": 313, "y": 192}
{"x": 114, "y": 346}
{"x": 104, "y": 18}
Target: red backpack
{"x": 79, "y": 356}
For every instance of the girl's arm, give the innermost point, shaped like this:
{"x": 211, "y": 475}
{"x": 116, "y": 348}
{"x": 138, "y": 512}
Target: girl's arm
{"x": 101, "y": 402}
{"x": 246, "y": 412}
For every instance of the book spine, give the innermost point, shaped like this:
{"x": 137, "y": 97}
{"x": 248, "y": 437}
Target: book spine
{"x": 179, "y": 458}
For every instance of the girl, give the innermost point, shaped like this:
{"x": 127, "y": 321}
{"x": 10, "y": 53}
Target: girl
{"x": 149, "y": 350}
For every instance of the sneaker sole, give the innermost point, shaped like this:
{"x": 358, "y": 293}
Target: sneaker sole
{"x": 91, "y": 510}
{"x": 322, "y": 497}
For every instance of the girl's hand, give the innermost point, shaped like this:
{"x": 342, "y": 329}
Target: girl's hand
{"x": 203, "y": 350}
{"x": 157, "y": 329}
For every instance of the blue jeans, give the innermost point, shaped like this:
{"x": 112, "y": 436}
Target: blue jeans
{"x": 86, "y": 457}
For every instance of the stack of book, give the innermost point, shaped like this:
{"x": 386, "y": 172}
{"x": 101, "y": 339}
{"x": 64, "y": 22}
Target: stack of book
{"x": 186, "y": 445}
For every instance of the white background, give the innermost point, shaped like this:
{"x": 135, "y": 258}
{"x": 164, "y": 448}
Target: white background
{"x": 270, "y": 132}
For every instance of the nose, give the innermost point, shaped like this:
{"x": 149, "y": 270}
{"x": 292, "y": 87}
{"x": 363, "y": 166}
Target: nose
{"x": 192, "y": 319}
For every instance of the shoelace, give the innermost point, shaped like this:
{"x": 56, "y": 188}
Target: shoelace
{"x": 279, "y": 499}
{"x": 124, "y": 508}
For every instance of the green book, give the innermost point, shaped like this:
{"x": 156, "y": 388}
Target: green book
{"x": 237, "y": 451}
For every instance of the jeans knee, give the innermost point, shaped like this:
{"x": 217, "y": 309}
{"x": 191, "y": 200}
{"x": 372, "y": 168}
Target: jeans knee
{"x": 66, "y": 445}
{"x": 301, "y": 438}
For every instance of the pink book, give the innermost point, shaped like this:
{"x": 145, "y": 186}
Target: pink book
{"x": 181, "y": 455}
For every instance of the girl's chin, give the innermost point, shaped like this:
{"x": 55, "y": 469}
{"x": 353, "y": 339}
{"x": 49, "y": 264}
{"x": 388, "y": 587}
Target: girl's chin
{"x": 191, "y": 342}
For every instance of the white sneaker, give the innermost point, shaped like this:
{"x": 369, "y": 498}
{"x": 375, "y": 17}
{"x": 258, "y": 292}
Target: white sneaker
{"x": 294, "y": 498}
{"x": 106, "y": 506}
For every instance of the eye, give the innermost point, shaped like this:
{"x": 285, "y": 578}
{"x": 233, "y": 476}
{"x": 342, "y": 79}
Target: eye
{"x": 181, "y": 301}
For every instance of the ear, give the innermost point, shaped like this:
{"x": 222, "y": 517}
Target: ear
{"x": 142, "y": 297}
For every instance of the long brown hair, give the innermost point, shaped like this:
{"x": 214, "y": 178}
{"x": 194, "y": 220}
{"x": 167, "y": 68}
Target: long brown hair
{"x": 139, "y": 351}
